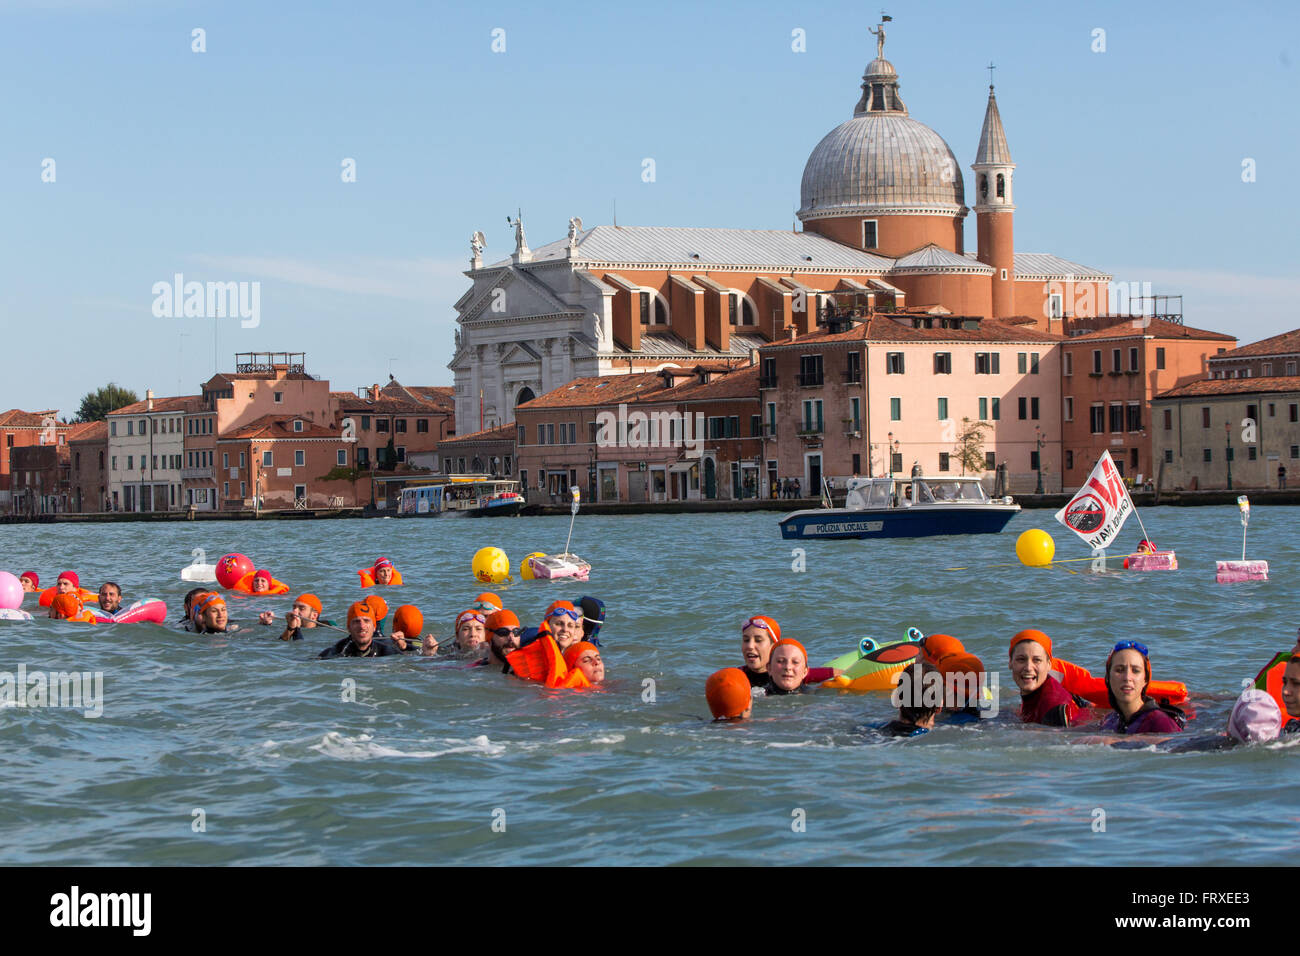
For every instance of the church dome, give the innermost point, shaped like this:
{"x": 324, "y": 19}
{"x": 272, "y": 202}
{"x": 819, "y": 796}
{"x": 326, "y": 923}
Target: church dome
{"x": 881, "y": 160}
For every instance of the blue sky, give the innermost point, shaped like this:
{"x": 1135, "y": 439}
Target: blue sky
{"x": 225, "y": 165}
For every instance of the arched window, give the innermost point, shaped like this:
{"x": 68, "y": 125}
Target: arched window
{"x": 477, "y": 465}
{"x": 525, "y": 395}
{"x": 984, "y": 186}
{"x": 1002, "y": 186}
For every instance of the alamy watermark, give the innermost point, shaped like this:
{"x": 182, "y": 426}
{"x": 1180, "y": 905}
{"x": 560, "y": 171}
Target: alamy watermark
{"x": 80, "y": 690}
{"x": 659, "y": 429}
{"x": 933, "y": 689}
{"x": 208, "y": 300}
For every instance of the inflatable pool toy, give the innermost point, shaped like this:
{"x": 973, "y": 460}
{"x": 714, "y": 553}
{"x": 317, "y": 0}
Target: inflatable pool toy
{"x": 1079, "y": 680}
{"x": 231, "y": 568}
{"x": 1269, "y": 680}
{"x": 11, "y": 591}
{"x": 1035, "y": 548}
{"x": 552, "y": 567}
{"x": 148, "y": 611}
{"x": 1232, "y": 572}
{"x": 526, "y": 567}
{"x": 245, "y": 586}
{"x": 368, "y": 576}
{"x": 14, "y": 614}
{"x": 875, "y": 664}
{"x": 491, "y": 566}
{"x": 87, "y": 597}
{"x": 1152, "y": 561}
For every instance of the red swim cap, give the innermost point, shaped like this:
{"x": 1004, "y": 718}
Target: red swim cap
{"x": 36, "y": 581}
{"x": 71, "y": 576}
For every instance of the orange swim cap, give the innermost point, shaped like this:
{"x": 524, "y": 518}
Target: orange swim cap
{"x": 728, "y": 694}
{"x": 767, "y": 623}
{"x": 487, "y": 597}
{"x": 502, "y": 618}
{"x": 793, "y": 643}
{"x": 408, "y": 620}
{"x": 1032, "y": 635}
{"x": 312, "y": 601}
{"x": 378, "y": 606}
{"x": 938, "y": 646}
{"x": 66, "y": 606}
{"x": 575, "y": 651}
{"x": 361, "y": 609}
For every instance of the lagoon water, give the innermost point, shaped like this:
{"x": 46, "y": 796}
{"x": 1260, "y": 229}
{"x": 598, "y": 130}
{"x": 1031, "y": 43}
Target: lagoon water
{"x": 251, "y": 736}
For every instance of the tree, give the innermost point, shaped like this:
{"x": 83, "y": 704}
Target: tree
{"x": 970, "y": 445}
{"x": 96, "y": 405}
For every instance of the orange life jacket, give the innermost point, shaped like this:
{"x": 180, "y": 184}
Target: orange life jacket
{"x": 368, "y": 578}
{"x": 1079, "y": 680}
{"x": 540, "y": 661}
{"x": 1270, "y": 680}
{"x": 245, "y": 585}
{"x": 87, "y": 597}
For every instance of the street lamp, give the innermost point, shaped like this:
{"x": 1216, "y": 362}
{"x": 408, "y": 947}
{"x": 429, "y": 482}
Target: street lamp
{"x": 1227, "y": 454}
{"x": 591, "y": 474}
{"x": 1038, "y": 460}
{"x": 889, "y": 450}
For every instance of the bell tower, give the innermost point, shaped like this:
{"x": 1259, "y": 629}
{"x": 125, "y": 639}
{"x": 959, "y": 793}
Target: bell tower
{"x": 994, "y": 209}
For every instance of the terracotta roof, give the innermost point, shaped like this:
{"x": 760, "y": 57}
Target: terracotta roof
{"x": 277, "y": 428}
{"x": 741, "y": 383}
{"x": 1151, "y": 328}
{"x": 597, "y": 390}
{"x": 1234, "y": 386}
{"x": 177, "y": 403}
{"x": 443, "y": 397}
{"x": 1288, "y": 343}
{"x": 349, "y": 402}
{"x": 17, "y": 418}
{"x": 87, "y": 432}
{"x": 499, "y": 433}
{"x": 879, "y": 328}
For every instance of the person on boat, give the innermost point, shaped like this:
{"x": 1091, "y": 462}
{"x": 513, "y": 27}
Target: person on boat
{"x": 729, "y": 696}
{"x": 503, "y": 639}
{"x": 305, "y": 613}
{"x": 68, "y": 607}
{"x": 1128, "y": 673}
{"x": 110, "y": 597}
{"x": 915, "y": 717}
{"x": 787, "y": 667}
{"x": 361, "y": 640}
{"x": 408, "y": 626}
{"x": 593, "y": 616}
{"x": 584, "y": 656}
{"x": 758, "y": 636}
{"x": 31, "y": 582}
{"x": 470, "y": 635}
{"x": 1043, "y": 699}
{"x": 261, "y": 582}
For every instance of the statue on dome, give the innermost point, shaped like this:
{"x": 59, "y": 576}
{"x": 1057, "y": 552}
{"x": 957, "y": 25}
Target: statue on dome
{"x": 879, "y": 34}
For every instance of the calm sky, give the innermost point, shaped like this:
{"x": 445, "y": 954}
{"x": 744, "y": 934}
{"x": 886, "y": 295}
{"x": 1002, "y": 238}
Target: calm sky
{"x": 226, "y": 165}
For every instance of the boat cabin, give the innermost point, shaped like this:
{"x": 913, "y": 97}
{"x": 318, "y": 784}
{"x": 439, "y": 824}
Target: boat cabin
{"x": 903, "y": 492}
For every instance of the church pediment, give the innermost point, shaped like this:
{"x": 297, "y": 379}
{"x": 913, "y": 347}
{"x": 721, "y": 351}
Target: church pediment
{"x": 515, "y": 294}
{"x": 520, "y": 353}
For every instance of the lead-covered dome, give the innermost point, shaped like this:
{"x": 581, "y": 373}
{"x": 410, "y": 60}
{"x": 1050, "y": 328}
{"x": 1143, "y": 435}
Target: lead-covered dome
{"x": 881, "y": 160}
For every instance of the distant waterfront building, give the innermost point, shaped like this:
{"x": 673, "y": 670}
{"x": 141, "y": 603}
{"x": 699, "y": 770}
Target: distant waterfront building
{"x": 146, "y": 448}
{"x": 1278, "y": 355}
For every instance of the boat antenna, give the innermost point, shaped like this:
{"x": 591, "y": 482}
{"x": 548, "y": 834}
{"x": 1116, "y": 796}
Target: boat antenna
{"x": 573, "y": 513}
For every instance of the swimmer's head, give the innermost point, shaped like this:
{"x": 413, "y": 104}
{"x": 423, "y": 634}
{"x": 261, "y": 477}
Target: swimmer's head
{"x": 261, "y": 582}
{"x": 938, "y": 646}
{"x": 758, "y": 636}
{"x": 1291, "y": 687}
{"x": 1128, "y": 672}
{"x": 1031, "y": 660}
{"x": 728, "y": 694}
{"x": 1255, "y": 718}
{"x": 788, "y": 664}
{"x": 585, "y": 657}
{"x": 383, "y": 571}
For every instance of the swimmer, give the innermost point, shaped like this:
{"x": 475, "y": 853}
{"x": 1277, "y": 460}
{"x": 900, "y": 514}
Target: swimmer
{"x": 67, "y": 583}
{"x": 305, "y": 613}
{"x": 1146, "y": 547}
{"x": 67, "y": 607}
{"x": 30, "y": 581}
{"x": 915, "y": 717}
{"x": 1043, "y": 699}
{"x": 593, "y": 617}
{"x": 110, "y": 597}
{"x": 471, "y": 636}
{"x": 384, "y": 571}
{"x": 487, "y": 602}
{"x": 1128, "y": 673}
{"x": 758, "y": 636}
{"x": 787, "y": 667}
{"x": 189, "y": 606}
{"x": 1291, "y": 694}
{"x": 261, "y": 583}
{"x": 210, "y": 615}
{"x": 585, "y": 657}
{"x": 503, "y": 639}
{"x": 360, "y": 641}
{"x": 408, "y": 625}
{"x": 564, "y": 623}
{"x": 728, "y": 694}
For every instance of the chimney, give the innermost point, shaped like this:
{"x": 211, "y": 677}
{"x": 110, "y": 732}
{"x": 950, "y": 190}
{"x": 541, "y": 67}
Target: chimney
{"x": 753, "y": 356}
{"x": 148, "y": 398}
{"x": 374, "y": 391}
{"x": 793, "y": 332}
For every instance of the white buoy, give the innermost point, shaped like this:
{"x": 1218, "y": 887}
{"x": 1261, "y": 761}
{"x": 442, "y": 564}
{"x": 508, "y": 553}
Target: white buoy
{"x": 199, "y": 573}
{"x": 1231, "y": 572}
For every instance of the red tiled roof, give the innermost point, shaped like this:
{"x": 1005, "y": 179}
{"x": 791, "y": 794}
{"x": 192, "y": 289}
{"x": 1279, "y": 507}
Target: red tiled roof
{"x": 597, "y": 390}
{"x": 348, "y": 402}
{"x": 274, "y": 427}
{"x": 177, "y": 403}
{"x": 880, "y": 328}
{"x": 741, "y": 383}
{"x": 87, "y": 431}
{"x": 1234, "y": 386}
{"x": 499, "y": 433}
{"x": 1288, "y": 343}
{"x": 17, "y": 418}
{"x": 1151, "y": 328}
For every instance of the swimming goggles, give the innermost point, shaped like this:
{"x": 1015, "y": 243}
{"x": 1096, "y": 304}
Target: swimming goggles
{"x": 1130, "y": 646}
{"x": 508, "y": 631}
{"x": 470, "y": 616}
{"x": 755, "y": 622}
{"x": 571, "y": 615}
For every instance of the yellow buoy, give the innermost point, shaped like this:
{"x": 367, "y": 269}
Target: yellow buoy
{"x": 491, "y": 566}
{"x": 526, "y": 567}
{"x": 1035, "y": 548}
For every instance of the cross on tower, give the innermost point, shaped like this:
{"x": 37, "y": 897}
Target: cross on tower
{"x": 991, "y": 68}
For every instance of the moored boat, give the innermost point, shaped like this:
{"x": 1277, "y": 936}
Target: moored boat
{"x": 904, "y": 508}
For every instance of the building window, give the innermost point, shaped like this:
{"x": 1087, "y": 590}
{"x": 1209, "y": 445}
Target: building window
{"x": 1134, "y": 417}
{"x": 1069, "y": 409}
{"x": 1033, "y": 460}
{"x": 1205, "y": 417}
{"x": 1117, "y": 418}
{"x": 1290, "y": 368}
{"x": 894, "y": 363}
{"x": 381, "y": 424}
{"x": 1033, "y": 363}
{"x": 943, "y": 461}
{"x": 519, "y": 437}
{"x": 853, "y": 368}
{"x": 1252, "y": 412}
{"x": 812, "y": 416}
{"x": 984, "y": 409}
{"x": 1055, "y": 305}
{"x": 1033, "y": 408}
{"x": 241, "y": 459}
{"x": 1116, "y": 365}
{"x": 868, "y": 233}
{"x": 342, "y": 458}
{"x": 550, "y": 434}
{"x": 243, "y": 490}
{"x": 1207, "y": 455}
{"x": 1251, "y": 452}
{"x": 267, "y": 461}
{"x": 1022, "y": 362}
{"x": 1132, "y": 359}
{"x": 810, "y": 370}
{"x": 1022, "y": 407}
{"x": 300, "y": 458}
{"x": 1096, "y": 361}
{"x": 422, "y": 425}
{"x": 1160, "y": 358}
{"x": 1169, "y": 456}
{"x": 1272, "y": 410}
{"x": 1002, "y": 186}
{"x": 112, "y": 429}
{"x": 895, "y": 409}
{"x": 401, "y": 453}
{"x": 987, "y": 363}
{"x": 279, "y": 397}
{"x": 1169, "y": 419}
{"x": 1295, "y": 451}
{"x": 990, "y": 462}
{"x": 297, "y": 424}
{"x": 997, "y": 408}
{"x": 943, "y": 409}
{"x": 114, "y": 463}
{"x": 365, "y": 423}
{"x": 855, "y": 413}
{"x": 1293, "y": 409}
{"x": 1267, "y": 370}
{"x": 130, "y": 427}
{"x": 1069, "y": 459}
{"x": 130, "y": 462}
{"x": 942, "y": 363}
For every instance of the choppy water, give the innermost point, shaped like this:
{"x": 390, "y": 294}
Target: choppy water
{"x": 254, "y": 733}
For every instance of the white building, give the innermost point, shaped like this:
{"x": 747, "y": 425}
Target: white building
{"x": 146, "y": 453}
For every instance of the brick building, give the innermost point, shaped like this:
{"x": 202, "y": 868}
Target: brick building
{"x": 88, "y": 447}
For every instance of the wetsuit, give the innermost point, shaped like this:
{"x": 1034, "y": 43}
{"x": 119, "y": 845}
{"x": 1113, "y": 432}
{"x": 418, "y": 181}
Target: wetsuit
{"x": 772, "y": 690}
{"x": 296, "y": 633}
{"x": 491, "y": 661}
{"x": 1052, "y": 705}
{"x": 1291, "y": 726}
{"x": 901, "y": 728}
{"x": 816, "y": 675}
{"x": 346, "y": 648}
{"x": 1151, "y": 718}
